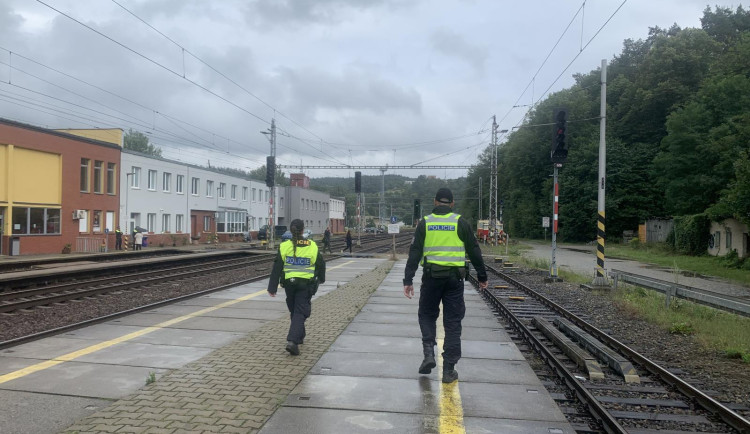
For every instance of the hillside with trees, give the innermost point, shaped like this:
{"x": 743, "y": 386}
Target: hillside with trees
{"x": 678, "y": 137}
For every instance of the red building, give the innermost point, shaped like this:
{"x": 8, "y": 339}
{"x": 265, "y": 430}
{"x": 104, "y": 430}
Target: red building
{"x": 58, "y": 191}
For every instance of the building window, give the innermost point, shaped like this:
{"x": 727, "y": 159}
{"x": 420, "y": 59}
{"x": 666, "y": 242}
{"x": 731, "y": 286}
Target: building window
{"x": 35, "y": 221}
{"x": 244, "y": 194}
{"x": 96, "y": 222}
{"x": 254, "y": 197}
{"x": 728, "y": 235}
{"x": 266, "y": 196}
{"x": 233, "y": 192}
{"x": 222, "y": 190}
{"x": 178, "y": 222}
{"x": 85, "y": 162}
{"x": 166, "y": 182}
{"x": 209, "y": 188}
{"x": 152, "y": 179}
{"x": 206, "y": 224}
{"x": 179, "y": 184}
{"x": 231, "y": 222}
{"x": 98, "y": 166}
{"x": 194, "y": 187}
{"x": 165, "y": 222}
{"x": 281, "y": 203}
{"x": 151, "y": 222}
{"x": 135, "y": 182}
{"x": 111, "y": 178}
{"x": 717, "y": 240}
{"x": 109, "y": 223}
{"x": 83, "y": 223}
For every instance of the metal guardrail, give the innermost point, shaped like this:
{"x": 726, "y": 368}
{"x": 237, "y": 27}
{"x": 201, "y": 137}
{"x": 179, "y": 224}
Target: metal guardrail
{"x": 696, "y": 295}
{"x": 90, "y": 245}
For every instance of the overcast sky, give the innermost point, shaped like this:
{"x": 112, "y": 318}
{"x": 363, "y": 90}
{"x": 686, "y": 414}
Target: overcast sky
{"x": 358, "y": 82}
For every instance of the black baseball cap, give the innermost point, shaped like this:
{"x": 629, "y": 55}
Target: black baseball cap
{"x": 444, "y": 195}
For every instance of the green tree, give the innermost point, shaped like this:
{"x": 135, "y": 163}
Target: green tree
{"x": 137, "y": 141}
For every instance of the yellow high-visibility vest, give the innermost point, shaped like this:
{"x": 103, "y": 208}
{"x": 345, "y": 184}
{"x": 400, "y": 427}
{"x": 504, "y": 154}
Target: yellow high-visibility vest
{"x": 303, "y": 265}
{"x": 442, "y": 246}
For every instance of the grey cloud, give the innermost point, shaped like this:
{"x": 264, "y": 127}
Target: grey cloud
{"x": 269, "y": 12}
{"x": 353, "y": 90}
{"x": 452, "y": 44}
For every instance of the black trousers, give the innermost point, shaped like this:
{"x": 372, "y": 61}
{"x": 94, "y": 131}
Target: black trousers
{"x": 118, "y": 243}
{"x": 449, "y": 291}
{"x": 298, "y": 296}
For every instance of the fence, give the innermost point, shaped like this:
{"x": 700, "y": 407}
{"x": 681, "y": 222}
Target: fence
{"x": 696, "y": 295}
{"x": 89, "y": 245}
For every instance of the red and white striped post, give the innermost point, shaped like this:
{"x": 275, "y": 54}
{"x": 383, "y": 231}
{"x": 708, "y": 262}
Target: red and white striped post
{"x": 555, "y": 217}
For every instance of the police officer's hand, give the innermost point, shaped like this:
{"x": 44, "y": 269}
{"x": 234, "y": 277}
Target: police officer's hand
{"x": 272, "y": 294}
{"x": 409, "y": 291}
{"x": 483, "y": 285}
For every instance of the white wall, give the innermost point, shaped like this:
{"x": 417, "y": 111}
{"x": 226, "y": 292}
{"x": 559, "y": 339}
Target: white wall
{"x": 142, "y": 200}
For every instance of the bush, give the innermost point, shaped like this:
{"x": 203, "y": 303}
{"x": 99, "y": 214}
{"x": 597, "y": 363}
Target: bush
{"x": 732, "y": 260}
{"x": 681, "y": 328}
{"x": 690, "y": 234}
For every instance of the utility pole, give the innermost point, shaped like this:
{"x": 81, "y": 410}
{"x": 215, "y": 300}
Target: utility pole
{"x": 493, "y": 185}
{"x": 601, "y": 279}
{"x": 271, "y": 232}
{"x": 479, "y": 213}
{"x": 381, "y": 205}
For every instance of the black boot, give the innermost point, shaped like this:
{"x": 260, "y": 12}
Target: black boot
{"x": 429, "y": 359}
{"x": 292, "y": 348}
{"x": 449, "y": 373}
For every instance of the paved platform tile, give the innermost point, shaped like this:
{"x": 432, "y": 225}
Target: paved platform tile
{"x": 244, "y": 382}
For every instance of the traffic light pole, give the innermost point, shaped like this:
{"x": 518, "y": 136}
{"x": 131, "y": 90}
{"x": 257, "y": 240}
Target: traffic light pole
{"x": 555, "y": 209}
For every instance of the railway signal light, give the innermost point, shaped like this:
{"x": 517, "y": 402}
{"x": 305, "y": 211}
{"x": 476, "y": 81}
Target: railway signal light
{"x": 417, "y": 209}
{"x": 357, "y": 182}
{"x": 270, "y": 170}
{"x": 559, "y": 151}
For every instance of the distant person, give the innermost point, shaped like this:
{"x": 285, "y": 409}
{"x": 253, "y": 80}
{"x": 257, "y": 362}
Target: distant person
{"x": 441, "y": 242}
{"x": 300, "y": 268}
{"x": 348, "y": 241}
{"x": 118, "y": 239}
{"x": 327, "y": 241}
{"x": 138, "y": 240}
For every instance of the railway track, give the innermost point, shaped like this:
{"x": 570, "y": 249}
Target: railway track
{"x": 134, "y": 287}
{"x": 619, "y": 389}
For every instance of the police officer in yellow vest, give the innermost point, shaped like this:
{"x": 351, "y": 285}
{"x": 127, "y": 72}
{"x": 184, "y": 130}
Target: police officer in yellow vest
{"x": 300, "y": 268}
{"x": 441, "y": 242}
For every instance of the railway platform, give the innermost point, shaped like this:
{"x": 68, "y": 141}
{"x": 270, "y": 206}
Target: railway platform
{"x": 217, "y": 363}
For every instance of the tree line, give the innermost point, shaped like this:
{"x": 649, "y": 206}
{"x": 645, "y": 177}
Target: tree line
{"x": 678, "y": 136}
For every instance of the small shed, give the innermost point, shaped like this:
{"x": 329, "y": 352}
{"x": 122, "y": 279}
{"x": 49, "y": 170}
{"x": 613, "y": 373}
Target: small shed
{"x": 657, "y": 229}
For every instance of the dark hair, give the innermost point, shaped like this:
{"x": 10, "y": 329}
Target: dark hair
{"x": 296, "y": 227}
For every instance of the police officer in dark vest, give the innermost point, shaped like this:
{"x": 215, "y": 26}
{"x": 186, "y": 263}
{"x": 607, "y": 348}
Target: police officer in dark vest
{"x": 300, "y": 268}
{"x": 441, "y": 242}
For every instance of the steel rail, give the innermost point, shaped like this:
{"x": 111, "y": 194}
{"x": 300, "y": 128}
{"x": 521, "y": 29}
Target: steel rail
{"x": 730, "y": 417}
{"x": 117, "y": 287}
{"x": 597, "y": 410}
{"x": 67, "y": 328}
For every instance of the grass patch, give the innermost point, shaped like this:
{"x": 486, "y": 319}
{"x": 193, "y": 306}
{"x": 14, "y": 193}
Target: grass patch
{"x": 660, "y": 254}
{"x": 721, "y": 331}
{"x": 151, "y": 378}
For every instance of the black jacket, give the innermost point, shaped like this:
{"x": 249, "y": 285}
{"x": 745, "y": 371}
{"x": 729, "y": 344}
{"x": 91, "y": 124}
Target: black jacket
{"x": 465, "y": 234}
{"x": 278, "y": 271}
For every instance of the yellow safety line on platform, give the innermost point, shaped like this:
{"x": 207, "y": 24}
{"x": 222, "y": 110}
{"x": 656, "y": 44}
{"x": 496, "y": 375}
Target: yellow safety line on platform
{"x": 106, "y": 344}
{"x": 451, "y": 419}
